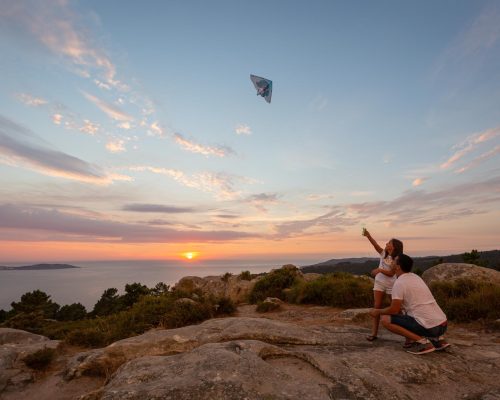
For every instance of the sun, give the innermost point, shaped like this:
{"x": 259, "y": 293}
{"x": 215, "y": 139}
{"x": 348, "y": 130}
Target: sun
{"x": 190, "y": 255}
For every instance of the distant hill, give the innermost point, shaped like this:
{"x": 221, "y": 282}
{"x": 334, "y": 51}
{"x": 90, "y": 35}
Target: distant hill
{"x": 363, "y": 265}
{"x": 37, "y": 267}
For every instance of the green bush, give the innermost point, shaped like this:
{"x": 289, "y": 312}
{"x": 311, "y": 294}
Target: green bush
{"x": 72, "y": 312}
{"x": 339, "y": 289}
{"x": 36, "y": 301}
{"x": 224, "y": 306}
{"x": 184, "y": 313}
{"x": 41, "y": 359}
{"x": 272, "y": 284}
{"x": 467, "y": 300}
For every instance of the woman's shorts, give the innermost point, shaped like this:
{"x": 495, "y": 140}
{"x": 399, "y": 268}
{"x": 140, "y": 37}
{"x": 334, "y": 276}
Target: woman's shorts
{"x": 383, "y": 287}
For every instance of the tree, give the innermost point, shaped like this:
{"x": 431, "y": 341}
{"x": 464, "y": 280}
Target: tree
{"x": 72, "y": 312}
{"x": 109, "y": 303}
{"x": 159, "y": 289}
{"x": 3, "y": 316}
{"x": 36, "y": 301}
{"x": 474, "y": 258}
{"x": 133, "y": 292}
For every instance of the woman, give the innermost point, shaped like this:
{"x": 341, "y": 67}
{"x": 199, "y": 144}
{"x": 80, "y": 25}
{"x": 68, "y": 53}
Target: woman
{"x": 384, "y": 275}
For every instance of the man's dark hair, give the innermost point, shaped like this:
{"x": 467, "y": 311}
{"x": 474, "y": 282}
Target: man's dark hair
{"x": 405, "y": 262}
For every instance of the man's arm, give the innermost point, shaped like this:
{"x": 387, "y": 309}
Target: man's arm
{"x": 394, "y": 308}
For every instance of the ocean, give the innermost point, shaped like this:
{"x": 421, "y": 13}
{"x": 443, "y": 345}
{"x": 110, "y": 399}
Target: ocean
{"x": 86, "y": 284}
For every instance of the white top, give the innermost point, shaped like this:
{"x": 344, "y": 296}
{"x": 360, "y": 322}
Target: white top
{"x": 418, "y": 300}
{"x": 385, "y": 264}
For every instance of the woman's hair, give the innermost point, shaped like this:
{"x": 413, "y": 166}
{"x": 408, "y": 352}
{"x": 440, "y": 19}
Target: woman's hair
{"x": 397, "y": 248}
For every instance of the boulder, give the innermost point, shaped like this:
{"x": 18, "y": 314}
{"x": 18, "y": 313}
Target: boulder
{"x": 15, "y": 346}
{"x": 230, "y": 286}
{"x": 450, "y": 272}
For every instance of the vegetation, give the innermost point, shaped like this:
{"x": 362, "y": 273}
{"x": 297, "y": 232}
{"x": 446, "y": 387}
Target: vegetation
{"x": 266, "y": 306}
{"x": 114, "y": 317}
{"x": 466, "y": 300}
{"x": 474, "y": 258}
{"x": 339, "y": 289}
{"x": 245, "y": 276}
{"x": 41, "y": 359}
{"x": 273, "y": 284}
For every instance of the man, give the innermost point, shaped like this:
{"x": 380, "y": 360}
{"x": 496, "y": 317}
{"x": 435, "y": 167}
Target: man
{"x": 424, "y": 323}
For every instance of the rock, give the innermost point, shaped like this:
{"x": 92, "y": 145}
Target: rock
{"x": 185, "y": 300}
{"x": 232, "y": 286}
{"x": 354, "y": 314}
{"x": 450, "y": 272}
{"x": 17, "y": 336}
{"x": 273, "y": 300}
{"x": 15, "y": 346}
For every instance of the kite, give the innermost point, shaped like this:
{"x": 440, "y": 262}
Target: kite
{"x": 264, "y": 87}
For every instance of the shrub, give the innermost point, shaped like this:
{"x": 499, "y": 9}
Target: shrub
{"x": 30, "y": 321}
{"x": 245, "y": 276}
{"x": 183, "y": 313}
{"x": 40, "y": 359}
{"x": 224, "y": 306}
{"x": 266, "y": 306}
{"x": 226, "y": 276}
{"x": 466, "y": 300}
{"x": 339, "y": 289}
{"x": 272, "y": 284}
{"x": 36, "y": 301}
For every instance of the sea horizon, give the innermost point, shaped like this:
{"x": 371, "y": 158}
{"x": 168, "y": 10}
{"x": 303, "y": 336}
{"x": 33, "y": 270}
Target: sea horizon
{"x": 86, "y": 284}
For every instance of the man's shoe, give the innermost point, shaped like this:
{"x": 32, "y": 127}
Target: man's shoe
{"x": 440, "y": 344}
{"x": 422, "y": 348}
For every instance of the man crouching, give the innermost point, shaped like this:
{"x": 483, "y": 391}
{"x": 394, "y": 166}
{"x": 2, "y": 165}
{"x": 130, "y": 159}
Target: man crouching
{"x": 424, "y": 323}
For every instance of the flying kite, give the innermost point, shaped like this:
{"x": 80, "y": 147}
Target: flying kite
{"x": 264, "y": 87}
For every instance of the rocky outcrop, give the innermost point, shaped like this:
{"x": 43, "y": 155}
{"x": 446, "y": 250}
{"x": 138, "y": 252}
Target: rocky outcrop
{"x": 450, "y": 272}
{"x": 258, "y": 358}
{"x": 15, "y": 346}
{"x": 230, "y": 286}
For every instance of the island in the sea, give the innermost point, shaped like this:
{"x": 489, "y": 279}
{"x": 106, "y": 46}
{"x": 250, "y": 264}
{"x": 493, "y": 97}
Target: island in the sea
{"x": 38, "y": 267}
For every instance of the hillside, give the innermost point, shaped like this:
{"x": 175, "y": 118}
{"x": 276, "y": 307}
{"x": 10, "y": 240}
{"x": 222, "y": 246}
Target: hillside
{"x": 363, "y": 265}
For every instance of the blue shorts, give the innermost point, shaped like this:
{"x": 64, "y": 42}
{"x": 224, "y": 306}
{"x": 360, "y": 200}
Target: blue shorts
{"x": 409, "y": 323}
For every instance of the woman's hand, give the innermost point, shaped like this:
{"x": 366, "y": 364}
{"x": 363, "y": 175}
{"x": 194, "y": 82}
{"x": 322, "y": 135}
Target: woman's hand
{"x": 375, "y": 272}
{"x": 365, "y": 232}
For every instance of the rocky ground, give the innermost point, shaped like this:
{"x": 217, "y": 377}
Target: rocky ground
{"x": 307, "y": 352}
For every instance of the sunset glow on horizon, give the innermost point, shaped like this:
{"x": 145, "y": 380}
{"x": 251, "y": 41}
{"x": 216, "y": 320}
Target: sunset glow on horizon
{"x": 147, "y": 143}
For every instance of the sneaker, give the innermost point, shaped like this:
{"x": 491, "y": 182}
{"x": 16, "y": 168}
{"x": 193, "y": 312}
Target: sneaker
{"x": 422, "y": 348}
{"x": 440, "y": 344}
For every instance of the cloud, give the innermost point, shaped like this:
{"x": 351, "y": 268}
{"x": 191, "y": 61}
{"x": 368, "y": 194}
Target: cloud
{"x": 31, "y": 100}
{"x": 111, "y": 110}
{"x": 116, "y": 146}
{"x": 157, "y": 208}
{"x": 418, "y": 181}
{"x": 57, "y": 27}
{"x": 242, "y": 129}
{"x": 19, "y": 147}
{"x": 125, "y": 125}
{"x": 316, "y": 197}
{"x": 262, "y": 200}
{"x": 469, "y": 145}
{"x": 361, "y": 193}
{"x": 189, "y": 145}
{"x": 51, "y": 225}
{"x": 220, "y": 184}
{"x": 156, "y": 130}
{"x": 475, "y": 43}
{"x": 478, "y": 160}
{"x": 57, "y": 119}
{"x": 89, "y": 127}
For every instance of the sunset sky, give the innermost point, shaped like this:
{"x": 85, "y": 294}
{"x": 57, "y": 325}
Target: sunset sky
{"x": 131, "y": 129}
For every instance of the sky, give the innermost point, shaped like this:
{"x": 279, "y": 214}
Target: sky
{"x": 131, "y": 130}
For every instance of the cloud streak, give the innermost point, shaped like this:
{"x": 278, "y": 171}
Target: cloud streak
{"x": 109, "y": 109}
{"x": 53, "y": 225}
{"x": 19, "y": 147}
{"x": 157, "y": 208}
{"x": 193, "y": 147}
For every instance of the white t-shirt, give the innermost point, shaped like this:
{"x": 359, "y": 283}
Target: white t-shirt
{"x": 418, "y": 300}
{"x": 385, "y": 264}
